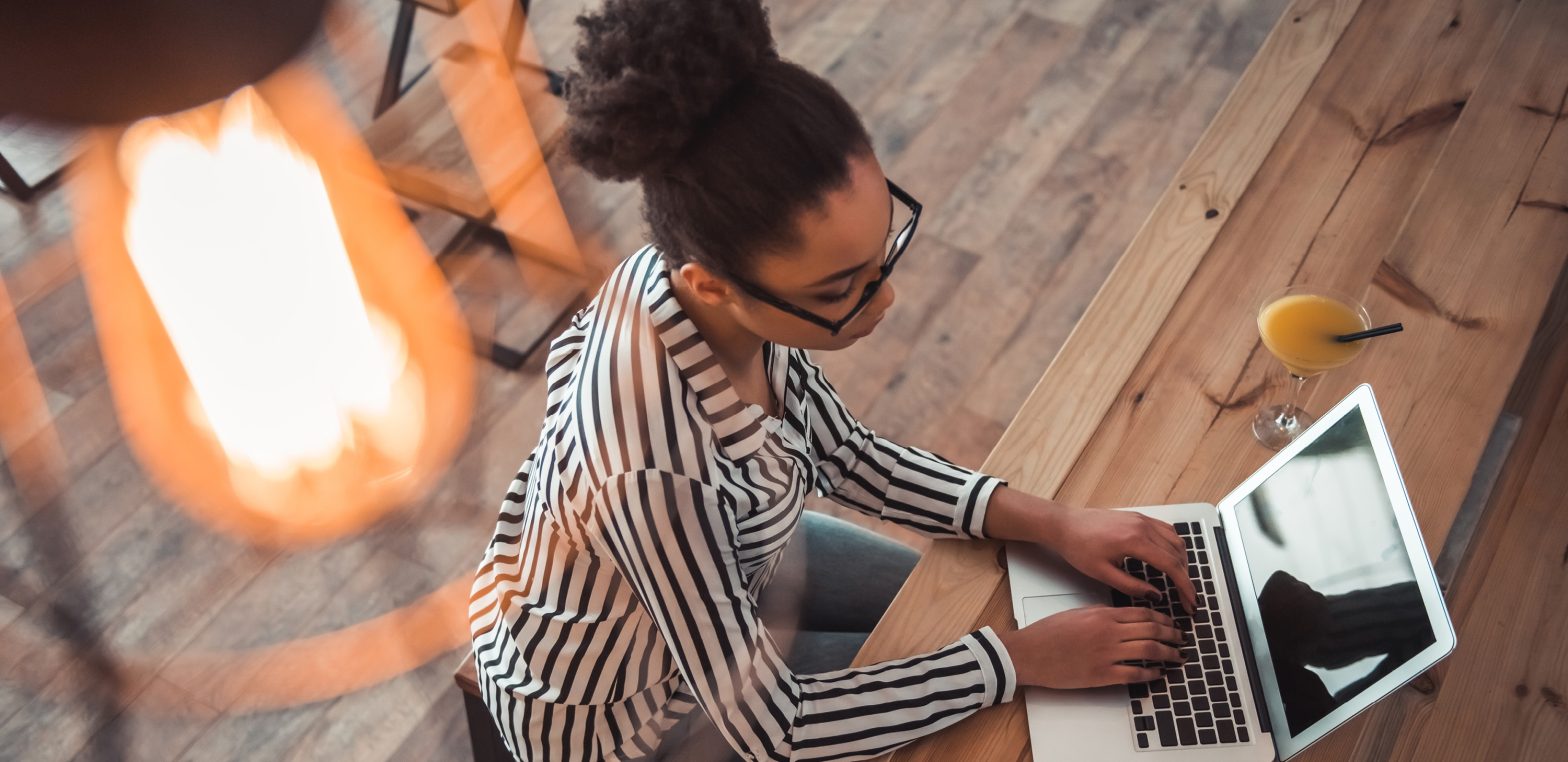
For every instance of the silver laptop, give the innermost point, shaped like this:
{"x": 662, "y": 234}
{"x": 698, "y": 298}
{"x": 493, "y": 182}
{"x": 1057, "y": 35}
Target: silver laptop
{"x": 1316, "y": 599}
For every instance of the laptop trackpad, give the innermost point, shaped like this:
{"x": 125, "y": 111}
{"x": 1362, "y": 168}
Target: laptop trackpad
{"x": 1038, "y": 607}
{"x": 1057, "y": 717}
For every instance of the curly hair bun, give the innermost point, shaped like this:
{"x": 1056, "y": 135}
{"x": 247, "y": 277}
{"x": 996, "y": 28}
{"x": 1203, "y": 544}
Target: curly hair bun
{"x": 650, "y": 72}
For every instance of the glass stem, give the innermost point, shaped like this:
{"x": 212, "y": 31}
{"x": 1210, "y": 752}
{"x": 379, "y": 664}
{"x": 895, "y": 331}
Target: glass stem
{"x": 1287, "y": 417}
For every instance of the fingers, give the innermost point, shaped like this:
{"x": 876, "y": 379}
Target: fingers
{"x": 1152, "y": 630}
{"x": 1117, "y": 577}
{"x": 1126, "y": 673}
{"x": 1148, "y": 650}
{"x": 1167, "y": 534}
{"x": 1157, "y": 548}
{"x": 1136, "y": 614}
{"x": 1176, "y": 569}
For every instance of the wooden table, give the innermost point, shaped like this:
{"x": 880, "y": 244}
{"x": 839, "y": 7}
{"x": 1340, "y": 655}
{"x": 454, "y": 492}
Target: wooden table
{"x": 1403, "y": 151}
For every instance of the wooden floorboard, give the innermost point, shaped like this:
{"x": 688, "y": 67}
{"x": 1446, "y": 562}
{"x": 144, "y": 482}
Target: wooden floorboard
{"x": 1038, "y": 132}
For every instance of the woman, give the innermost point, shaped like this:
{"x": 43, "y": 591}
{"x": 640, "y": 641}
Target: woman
{"x": 627, "y": 606}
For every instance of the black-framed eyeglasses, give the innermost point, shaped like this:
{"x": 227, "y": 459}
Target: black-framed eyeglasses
{"x": 900, "y": 243}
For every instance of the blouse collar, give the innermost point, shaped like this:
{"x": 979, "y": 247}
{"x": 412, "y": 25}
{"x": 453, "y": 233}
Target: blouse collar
{"x": 740, "y": 427}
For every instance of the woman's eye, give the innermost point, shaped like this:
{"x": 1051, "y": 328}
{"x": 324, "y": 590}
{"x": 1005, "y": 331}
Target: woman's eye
{"x": 834, "y": 298}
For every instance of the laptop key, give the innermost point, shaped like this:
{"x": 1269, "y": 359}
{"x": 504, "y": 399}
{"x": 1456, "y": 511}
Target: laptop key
{"x": 1200, "y": 703}
{"x": 1226, "y": 731}
{"x": 1167, "y": 727}
{"x": 1221, "y": 709}
{"x": 1182, "y": 709}
{"x": 1186, "y": 731}
{"x": 1143, "y": 723}
{"x": 1230, "y": 682}
{"x": 1212, "y": 679}
{"x": 1162, "y": 702}
{"x": 1139, "y": 690}
{"x": 1183, "y": 527}
{"x": 1206, "y": 736}
{"x": 1143, "y": 741}
{"x": 1217, "y": 694}
{"x": 1179, "y": 692}
{"x": 1241, "y": 734}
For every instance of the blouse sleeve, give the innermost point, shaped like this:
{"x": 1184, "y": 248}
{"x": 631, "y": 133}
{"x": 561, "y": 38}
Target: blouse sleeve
{"x": 899, "y": 483}
{"x": 674, "y": 540}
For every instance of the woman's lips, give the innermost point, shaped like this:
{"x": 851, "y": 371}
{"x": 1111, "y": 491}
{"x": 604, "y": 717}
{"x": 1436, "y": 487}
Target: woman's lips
{"x": 870, "y": 328}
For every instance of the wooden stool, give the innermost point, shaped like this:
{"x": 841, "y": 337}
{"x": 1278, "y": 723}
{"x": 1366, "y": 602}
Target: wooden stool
{"x": 449, "y": 142}
{"x": 482, "y": 732}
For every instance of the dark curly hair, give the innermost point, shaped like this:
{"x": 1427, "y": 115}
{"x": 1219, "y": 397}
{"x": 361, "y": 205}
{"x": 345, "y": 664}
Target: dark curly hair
{"x": 729, "y": 141}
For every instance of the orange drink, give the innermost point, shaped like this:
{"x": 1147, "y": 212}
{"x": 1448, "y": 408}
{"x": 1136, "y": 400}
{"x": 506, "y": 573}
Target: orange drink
{"x": 1298, "y": 325}
{"x": 1300, "y": 329}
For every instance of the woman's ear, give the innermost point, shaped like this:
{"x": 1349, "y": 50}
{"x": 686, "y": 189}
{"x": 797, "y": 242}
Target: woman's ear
{"x": 709, "y": 288}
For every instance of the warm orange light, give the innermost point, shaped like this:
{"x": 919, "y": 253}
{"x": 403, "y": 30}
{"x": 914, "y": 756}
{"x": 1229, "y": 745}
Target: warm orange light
{"x": 285, "y": 357}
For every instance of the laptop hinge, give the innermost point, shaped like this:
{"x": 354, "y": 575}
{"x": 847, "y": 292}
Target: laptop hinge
{"x": 1240, "y": 628}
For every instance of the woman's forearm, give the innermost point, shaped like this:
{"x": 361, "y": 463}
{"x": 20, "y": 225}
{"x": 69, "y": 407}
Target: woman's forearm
{"x": 1020, "y": 516}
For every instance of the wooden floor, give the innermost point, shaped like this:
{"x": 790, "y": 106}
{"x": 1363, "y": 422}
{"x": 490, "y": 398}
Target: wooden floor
{"x": 1410, "y": 152}
{"x": 1038, "y": 133}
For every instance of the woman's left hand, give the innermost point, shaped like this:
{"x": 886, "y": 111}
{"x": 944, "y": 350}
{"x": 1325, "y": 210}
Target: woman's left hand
{"x": 1095, "y": 542}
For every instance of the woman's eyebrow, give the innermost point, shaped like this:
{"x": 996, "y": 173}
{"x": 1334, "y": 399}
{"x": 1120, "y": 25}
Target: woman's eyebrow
{"x": 841, "y": 274}
{"x": 848, "y": 271}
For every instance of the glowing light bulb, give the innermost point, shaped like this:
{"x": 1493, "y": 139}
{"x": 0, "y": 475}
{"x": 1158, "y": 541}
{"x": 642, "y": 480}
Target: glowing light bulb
{"x": 286, "y": 359}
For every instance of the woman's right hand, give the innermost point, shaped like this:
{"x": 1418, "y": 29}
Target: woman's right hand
{"x": 1083, "y": 648}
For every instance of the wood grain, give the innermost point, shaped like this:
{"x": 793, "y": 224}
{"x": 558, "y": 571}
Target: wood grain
{"x": 1038, "y": 449}
{"x": 1084, "y": 129}
{"x": 1400, "y": 174}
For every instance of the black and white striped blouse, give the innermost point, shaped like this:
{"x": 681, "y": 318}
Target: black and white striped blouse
{"x": 619, "y": 592}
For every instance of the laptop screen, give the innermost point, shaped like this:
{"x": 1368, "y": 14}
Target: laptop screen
{"x": 1335, "y": 586}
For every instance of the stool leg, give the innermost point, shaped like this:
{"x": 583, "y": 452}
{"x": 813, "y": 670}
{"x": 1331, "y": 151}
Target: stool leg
{"x": 515, "y": 22}
{"x": 392, "y": 78}
{"x": 11, "y": 181}
{"x": 483, "y": 735}
{"x": 501, "y": 355}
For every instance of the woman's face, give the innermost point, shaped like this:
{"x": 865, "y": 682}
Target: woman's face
{"x": 843, "y": 245}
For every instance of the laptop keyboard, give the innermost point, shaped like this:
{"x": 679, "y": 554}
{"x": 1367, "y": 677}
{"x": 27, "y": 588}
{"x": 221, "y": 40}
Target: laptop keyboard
{"x": 1199, "y": 703}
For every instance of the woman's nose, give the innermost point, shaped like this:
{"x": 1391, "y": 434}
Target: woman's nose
{"x": 885, "y": 296}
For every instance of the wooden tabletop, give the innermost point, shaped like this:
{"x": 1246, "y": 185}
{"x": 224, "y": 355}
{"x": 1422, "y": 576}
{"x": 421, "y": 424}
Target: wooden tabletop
{"x": 1407, "y": 152}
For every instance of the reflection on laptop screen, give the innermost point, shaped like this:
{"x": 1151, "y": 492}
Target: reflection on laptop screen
{"x": 1336, "y": 589}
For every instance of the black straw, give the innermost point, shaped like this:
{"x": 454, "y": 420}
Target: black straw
{"x": 1367, "y": 334}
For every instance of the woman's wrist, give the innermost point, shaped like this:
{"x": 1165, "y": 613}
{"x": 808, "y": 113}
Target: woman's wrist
{"x": 1022, "y": 517}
